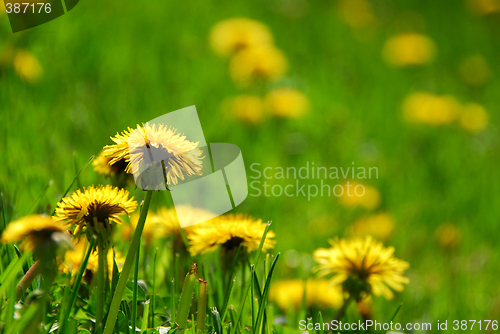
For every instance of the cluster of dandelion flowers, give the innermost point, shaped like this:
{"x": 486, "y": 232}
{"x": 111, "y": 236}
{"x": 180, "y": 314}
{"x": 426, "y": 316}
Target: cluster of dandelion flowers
{"x": 95, "y": 207}
{"x": 362, "y": 266}
{"x": 36, "y": 232}
{"x": 136, "y": 146}
{"x": 229, "y": 231}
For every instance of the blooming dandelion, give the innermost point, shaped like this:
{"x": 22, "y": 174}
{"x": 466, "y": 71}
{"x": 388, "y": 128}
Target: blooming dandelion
{"x": 229, "y": 231}
{"x": 27, "y": 67}
{"x": 409, "y": 50}
{"x": 379, "y": 225}
{"x": 95, "y": 207}
{"x": 262, "y": 63}
{"x": 134, "y": 146}
{"x": 286, "y": 102}
{"x": 473, "y": 117}
{"x": 232, "y": 35}
{"x": 247, "y": 108}
{"x": 319, "y": 293}
{"x": 427, "y": 108}
{"x": 356, "y": 194}
{"x": 362, "y": 266}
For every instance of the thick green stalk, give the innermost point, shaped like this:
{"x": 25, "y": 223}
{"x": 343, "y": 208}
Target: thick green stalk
{"x": 100, "y": 285}
{"x": 202, "y": 306}
{"x": 187, "y": 296}
{"x": 129, "y": 260}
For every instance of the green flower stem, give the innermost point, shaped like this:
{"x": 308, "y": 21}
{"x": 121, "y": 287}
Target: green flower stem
{"x": 129, "y": 260}
{"x": 342, "y": 310}
{"x": 187, "y": 296}
{"x": 202, "y": 306}
{"x": 100, "y": 285}
{"x": 134, "y": 298}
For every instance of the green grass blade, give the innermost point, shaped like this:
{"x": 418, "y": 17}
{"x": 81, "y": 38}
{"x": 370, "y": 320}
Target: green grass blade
{"x": 134, "y": 298}
{"x": 265, "y": 293}
{"x": 187, "y": 296}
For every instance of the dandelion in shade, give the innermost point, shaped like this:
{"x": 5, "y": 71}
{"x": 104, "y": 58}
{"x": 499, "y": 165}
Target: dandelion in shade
{"x": 232, "y": 35}
{"x": 94, "y": 210}
{"x": 473, "y": 117}
{"x": 229, "y": 231}
{"x": 246, "y": 108}
{"x": 135, "y": 146}
{"x": 362, "y": 266}
{"x": 356, "y": 194}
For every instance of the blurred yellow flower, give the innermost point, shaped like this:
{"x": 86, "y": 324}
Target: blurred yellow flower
{"x": 95, "y": 205}
{"x": 356, "y": 13}
{"x": 484, "y": 7}
{"x": 35, "y": 232}
{"x": 362, "y": 266}
{"x": 421, "y": 107}
{"x": 357, "y": 194}
{"x": 473, "y": 117}
{"x": 378, "y": 225}
{"x": 320, "y": 293}
{"x": 248, "y": 108}
{"x": 260, "y": 63}
{"x": 232, "y": 35}
{"x": 286, "y": 102}
{"x": 184, "y": 156}
{"x": 102, "y": 166}
{"x": 474, "y": 70}
{"x": 74, "y": 257}
{"x": 448, "y": 235}
{"x": 168, "y": 218}
{"x": 229, "y": 231}
{"x": 409, "y": 49}
{"x": 27, "y": 66}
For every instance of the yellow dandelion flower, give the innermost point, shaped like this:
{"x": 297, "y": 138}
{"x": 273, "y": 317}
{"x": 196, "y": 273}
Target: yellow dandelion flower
{"x": 362, "y": 266}
{"x": 229, "y": 231}
{"x": 247, "y": 108}
{"x": 379, "y": 225}
{"x": 356, "y": 194}
{"x": 319, "y": 293}
{"x": 356, "y": 13}
{"x": 473, "y": 118}
{"x": 484, "y": 7}
{"x": 74, "y": 257}
{"x": 169, "y": 221}
{"x": 27, "y": 66}
{"x": 102, "y": 165}
{"x": 232, "y": 35}
{"x": 256, "y": 64}
{"x": 183, "y": 155}
{"x": 287, "y": 102}
{"x": 474, "y": 70}
{"x": 102, "y": 205}
{"x": 35, "y": 232}
{"x": 409, "y": 50}
{"x": 448, "y": 235}
{"x": 421, "y": 107}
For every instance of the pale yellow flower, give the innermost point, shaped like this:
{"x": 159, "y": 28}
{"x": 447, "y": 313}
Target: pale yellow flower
{"x": 362, "y": 266}
{"x": 232, "y": 35}
{"x": 286, "y": 102}
{"x": 409, "y": 49}
{"x": 378, "y": 225}
{"x": 356, "y": 13}
{"x": 247, "y": 108}
{"x": 474, "y": 70}
{"x": 448, "y": 235}
{"x": 356, "y": 194}
{"x": 320, "y": 293}
{"x": 484, "y": 7}
{"x": 421, "y": 107}
{"x": 473, "y": 117}
{"x": 27, "y": 66}
{"x": 260, "y": 63}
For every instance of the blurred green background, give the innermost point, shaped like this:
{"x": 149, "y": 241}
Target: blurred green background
{"x": 112, "y": 64}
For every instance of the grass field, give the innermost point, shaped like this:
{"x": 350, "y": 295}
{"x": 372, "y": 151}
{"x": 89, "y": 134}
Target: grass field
{"x": 112, "y": 64}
